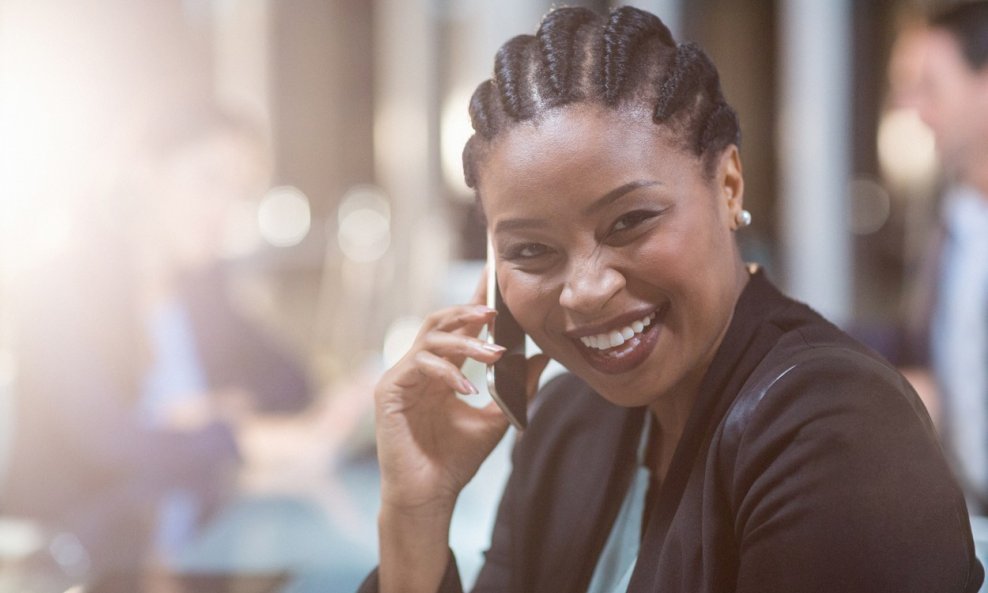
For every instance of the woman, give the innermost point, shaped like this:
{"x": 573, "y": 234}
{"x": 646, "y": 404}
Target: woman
{"x": 713, "y": 435}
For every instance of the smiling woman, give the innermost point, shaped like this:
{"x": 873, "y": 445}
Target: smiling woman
{"x": 711, "y": 433}
{"x": 604, "y": 233}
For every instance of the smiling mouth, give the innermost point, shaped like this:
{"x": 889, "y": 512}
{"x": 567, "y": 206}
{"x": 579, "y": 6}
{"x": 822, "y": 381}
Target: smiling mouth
{"x": 624, "y": 348}
{"x": 610, "y": 340}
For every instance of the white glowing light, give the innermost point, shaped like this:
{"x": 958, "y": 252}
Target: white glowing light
{"x": 399, "y": 338}
{"x": 38, "y": 234}
{"x": 906, "y": 149}
{"x": 19, "y": 538}
{"x": 284, "y": 216}
{"x": 364, "y": 224}
{"x": 454, "y": 133}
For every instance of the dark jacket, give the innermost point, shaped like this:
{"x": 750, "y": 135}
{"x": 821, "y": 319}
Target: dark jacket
{"x": 807, "y": 464}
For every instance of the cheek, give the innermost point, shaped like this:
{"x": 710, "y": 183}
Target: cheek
{"x": 679, "y": 253}
{"x": 693, "y": 268}
{"x": 530, "y": 299}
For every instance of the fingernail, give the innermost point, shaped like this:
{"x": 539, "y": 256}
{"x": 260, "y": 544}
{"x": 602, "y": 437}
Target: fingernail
{"x": 467, "y": 388}
{"x": 495, "y": 348}
{"x": 484, "y": 310}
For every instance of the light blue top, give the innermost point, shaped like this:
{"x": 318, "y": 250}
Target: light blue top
{"x": 960, "y": 333}
{"x": 176, "y": 376}
{"x": 617, "y": 561}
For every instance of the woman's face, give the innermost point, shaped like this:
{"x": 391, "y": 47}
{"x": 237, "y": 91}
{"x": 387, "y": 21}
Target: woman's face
{"x": 614, "y": 251}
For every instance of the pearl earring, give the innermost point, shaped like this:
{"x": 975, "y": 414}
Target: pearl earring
{"x": 742, "y": 218}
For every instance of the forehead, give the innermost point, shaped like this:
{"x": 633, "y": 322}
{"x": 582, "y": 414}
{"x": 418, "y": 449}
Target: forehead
{"x": 580, "y": 146}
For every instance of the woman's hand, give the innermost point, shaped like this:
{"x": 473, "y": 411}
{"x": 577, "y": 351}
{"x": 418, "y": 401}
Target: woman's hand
{"x": 431, "y": 443}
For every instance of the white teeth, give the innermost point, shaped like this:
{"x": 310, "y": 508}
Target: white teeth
{"x": 615, "y": 338}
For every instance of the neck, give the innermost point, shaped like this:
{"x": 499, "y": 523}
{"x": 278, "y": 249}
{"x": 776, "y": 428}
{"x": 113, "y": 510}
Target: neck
{"x": 671, "y": 414}
{"x": 670, "y": 421}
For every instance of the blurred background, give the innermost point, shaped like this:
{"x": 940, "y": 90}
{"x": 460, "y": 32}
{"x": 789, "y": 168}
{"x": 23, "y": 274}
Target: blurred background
{"x": 254, "y": 202}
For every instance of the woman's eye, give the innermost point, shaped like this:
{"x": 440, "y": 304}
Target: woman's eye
{"x": 632, "y": 219}
{"x": 526, "y": 251}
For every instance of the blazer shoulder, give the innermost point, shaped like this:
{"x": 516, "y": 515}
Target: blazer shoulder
{"x": 816, "y": 365}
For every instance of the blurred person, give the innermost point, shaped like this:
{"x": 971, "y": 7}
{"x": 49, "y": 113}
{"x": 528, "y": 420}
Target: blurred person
{"x": 711, "y": 434}
{"x": 135, "y": 363}
{"x": 949, "y": 328}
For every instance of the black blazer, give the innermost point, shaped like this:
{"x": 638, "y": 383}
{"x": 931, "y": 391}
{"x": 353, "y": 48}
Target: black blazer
{"x": 808, "y": 464}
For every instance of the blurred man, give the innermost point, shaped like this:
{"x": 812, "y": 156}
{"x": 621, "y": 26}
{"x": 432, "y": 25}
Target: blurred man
{"x": 135, "y": 363}
{"x": 952, "y": 98}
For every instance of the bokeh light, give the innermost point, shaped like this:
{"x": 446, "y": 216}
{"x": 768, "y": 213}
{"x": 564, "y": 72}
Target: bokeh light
{"x": 399, "y": 338}
{"x": 455, "y": 130}
{"x": 906, "y": 149}
{"x": 870, "y": 206}
{"x": 364, "y": 224}
{"x": 284, "y": 216}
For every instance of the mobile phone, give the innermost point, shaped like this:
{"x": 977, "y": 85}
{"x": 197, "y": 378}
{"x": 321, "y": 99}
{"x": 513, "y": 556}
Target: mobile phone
{"x": 506, "y": 378}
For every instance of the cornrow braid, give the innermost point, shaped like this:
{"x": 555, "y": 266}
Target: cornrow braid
{"x": 692, "y": 72}
{"x": 630, "y": 58}
{"x": 483, "y": 112}
{"x": 721, "y": 130}
{"x": 562, "y": 53}
{"x": 627, "y": 33}
{"x": 693, "y": 75}
{"x": 515, "y": 78}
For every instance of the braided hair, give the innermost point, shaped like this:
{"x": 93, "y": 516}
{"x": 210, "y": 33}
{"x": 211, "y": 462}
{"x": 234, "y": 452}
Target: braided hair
{"x": 627, "y": 59}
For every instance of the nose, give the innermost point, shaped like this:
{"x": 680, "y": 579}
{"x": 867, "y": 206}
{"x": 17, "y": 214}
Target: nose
{"x": 590, "y": 285}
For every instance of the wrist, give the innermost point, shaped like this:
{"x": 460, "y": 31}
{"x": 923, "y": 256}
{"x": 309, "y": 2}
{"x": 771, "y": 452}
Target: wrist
{"x": 400, "y": 503}
{"x": 416, "y": 522}
{"x": 414, "y": 548}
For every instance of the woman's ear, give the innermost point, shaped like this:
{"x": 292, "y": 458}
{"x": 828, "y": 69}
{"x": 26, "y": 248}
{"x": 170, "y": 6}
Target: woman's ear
{"x": 730, "y": 183}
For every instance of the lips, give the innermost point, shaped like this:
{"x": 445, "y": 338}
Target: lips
{"x": 624, "y": 346}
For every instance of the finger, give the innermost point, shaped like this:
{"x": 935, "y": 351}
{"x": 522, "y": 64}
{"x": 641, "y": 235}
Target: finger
{"x": 536, "y": 365}
{"x": 440, "y": 369}
{"x": 457, "y": 347}
{"x": 458, "y": 318}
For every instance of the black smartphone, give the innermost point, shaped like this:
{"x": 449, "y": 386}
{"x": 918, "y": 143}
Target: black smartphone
{"x": 506, "y": 378}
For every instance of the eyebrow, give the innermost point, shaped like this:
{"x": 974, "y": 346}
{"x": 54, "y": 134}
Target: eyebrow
{"x": 616, "y": 194}
{"x": 597, "y": 205}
